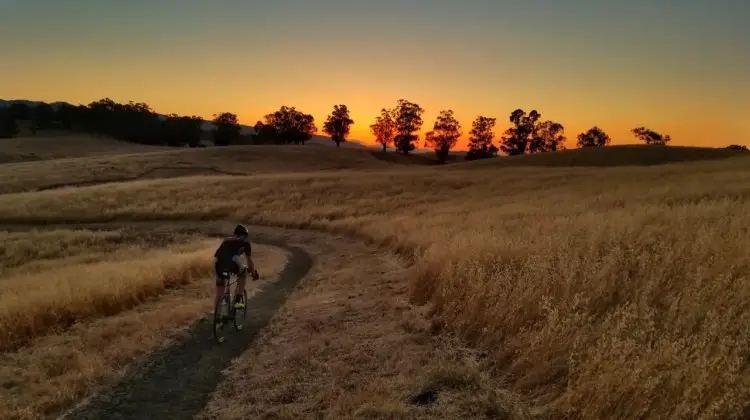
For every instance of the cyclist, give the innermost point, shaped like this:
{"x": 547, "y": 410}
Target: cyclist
{"x": 226, "y": 258}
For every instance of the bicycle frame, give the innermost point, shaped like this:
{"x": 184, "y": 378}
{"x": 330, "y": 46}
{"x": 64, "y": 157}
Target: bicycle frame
{"x": 224, "y": 309}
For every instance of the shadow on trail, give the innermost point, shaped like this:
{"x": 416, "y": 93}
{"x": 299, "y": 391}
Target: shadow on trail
{"x": 176, "y": 382}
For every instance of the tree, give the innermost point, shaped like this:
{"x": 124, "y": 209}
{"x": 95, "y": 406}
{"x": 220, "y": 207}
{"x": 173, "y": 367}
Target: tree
{"x": 8, "y": 126}
{"x": 738, "y": 147}
{"x": 548, "y": 136}
{"x": 515, "y": 140}
{"x": 408, "y": 121}
{"x": 481, "y": 137}
{"x": 19, "y": 111}
{"x": 227, "y": 129}
{"x": 384, "y": 128}
{"x": 530, "y": 135}
{"x": 444, "y": 135}
{"x": 192, "y": 127}
{"x": 44, "y": 116}
{"x": 595, "y": 137}
{"x": 650, "y": 137}
{"x": 338, "y": 123}
{"x": 265, "y": 134}
{"x": 68, "y": 116}
{"x": 291, "y": 125}
{"x": 134, "y": 121}
{"x": 180, "y": 131}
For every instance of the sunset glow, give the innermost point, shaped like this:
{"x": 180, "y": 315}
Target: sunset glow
{"x": 678, "y": 67}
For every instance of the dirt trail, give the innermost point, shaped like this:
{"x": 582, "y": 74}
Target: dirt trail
{"x": 176, "y": 382}
{"x": 347, "y": 344}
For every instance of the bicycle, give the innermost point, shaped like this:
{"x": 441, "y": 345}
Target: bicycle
{"x": 225, "y": 311}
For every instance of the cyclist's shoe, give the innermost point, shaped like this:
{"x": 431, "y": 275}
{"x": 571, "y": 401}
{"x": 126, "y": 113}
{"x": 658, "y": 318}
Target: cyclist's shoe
{"x": 239, "y": 303}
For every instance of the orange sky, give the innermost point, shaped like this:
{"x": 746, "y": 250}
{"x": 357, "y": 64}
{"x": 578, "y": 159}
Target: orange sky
{"x": 686, "y": 77}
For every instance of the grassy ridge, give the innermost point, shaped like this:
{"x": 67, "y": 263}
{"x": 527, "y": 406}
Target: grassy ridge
{"x": 627, "y": 155}
{"x": 582, "y": 285}
{"x": 56, "y": 145}
{"x": 29, "y": 176}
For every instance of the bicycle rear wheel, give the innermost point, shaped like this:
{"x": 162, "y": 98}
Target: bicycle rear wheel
{"x": 239, "y": 314}
{"x": 220, "y": 317}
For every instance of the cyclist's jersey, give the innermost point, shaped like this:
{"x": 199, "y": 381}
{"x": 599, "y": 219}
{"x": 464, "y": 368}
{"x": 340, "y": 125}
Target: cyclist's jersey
{"x": 232, "y": 247}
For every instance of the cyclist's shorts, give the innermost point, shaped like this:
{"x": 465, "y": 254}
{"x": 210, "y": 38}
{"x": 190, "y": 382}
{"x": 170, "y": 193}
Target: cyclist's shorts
{"x": 232, "y": 266}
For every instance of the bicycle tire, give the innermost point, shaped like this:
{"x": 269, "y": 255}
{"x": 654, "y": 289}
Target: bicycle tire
{"x": 239, "y": 320}
{"x": 220, "y": 320}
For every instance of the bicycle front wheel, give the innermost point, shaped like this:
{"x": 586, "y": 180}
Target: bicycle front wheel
{"x": 240, "y": 314}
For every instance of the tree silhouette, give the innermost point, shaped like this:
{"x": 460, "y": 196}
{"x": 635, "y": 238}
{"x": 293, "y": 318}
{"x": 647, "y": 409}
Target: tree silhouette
{"x": 650, "y": 137}
{"x": 44, "y": 116}
{"x": 530, "y": 135}
{"x": 19, "y": 111}
{"x": 547, "y": 137}
{"x": 515, "y": 140}
{"x": 67, "y": 115}
{"x": 134, "y": 121}
{"x": 481, "y": 137}
{"x": 227, "y": 129}
{"x": 738, "y": 147}
{"x": 338, "y": 123}
{"x": 182, "y": 130}
{"x": 384, "y": 128}
{"x": 594, "y": 137}
{"x": 444, "y": 135}
{"x": 265, "y": 134}
{"x": 291, "y": 125}
{"x": 408, "y": 121}
{"x": 8, "y": 126}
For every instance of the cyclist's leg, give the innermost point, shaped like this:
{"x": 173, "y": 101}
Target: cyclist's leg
{"x": 220, "y": 284}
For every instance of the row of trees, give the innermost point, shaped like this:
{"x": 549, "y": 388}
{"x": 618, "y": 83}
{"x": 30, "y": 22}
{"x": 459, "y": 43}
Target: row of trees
{"x": 397, "y": 126}
{"x": 138, "y": 122}
{"x": 133, "y": 121}
{"x": 528, "y": 133}
{"x": 42, "y": 116}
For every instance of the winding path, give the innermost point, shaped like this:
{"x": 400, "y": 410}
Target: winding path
{"x": 177, "y": 381}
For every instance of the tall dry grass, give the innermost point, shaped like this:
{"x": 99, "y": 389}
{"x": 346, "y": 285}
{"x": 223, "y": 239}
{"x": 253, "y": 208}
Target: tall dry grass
{"x": 55, "y": 370}
{"x": 36, "y": 250}
{"x": 597, "y": 293}
{"x": 179, "y": 162}
{"x": 37, "y": 302}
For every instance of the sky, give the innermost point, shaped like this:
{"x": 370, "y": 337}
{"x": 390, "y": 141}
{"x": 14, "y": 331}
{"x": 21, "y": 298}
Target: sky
{"x": 680, "y": 67}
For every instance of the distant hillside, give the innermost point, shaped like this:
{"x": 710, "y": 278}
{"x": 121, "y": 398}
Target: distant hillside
{"x": 4, "y": 103}
{"x": 208, "y": 127}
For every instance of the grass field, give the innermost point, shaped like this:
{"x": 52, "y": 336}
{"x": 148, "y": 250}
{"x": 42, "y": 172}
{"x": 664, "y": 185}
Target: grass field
{"x": 627, "y": 155}
{"x": 25, "y": 176}
{"x": 76, "y": 306}
{"x": 61, "y": 144}
{"x": 594, "y": 292}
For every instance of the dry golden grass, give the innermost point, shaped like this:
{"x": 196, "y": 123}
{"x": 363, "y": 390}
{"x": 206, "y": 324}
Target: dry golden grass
{"x": 36, "y": 250}
{"x": 610, "y": 292}
{"x": 347, "y": 344}
{"x": 54, "y": 370}
{"x": 30, "y": 176}
{"x": 36, "y": 303}
{"x": 51, "y": 144}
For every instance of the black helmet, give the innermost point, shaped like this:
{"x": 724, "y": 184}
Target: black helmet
{"x": 240, "y": 230}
